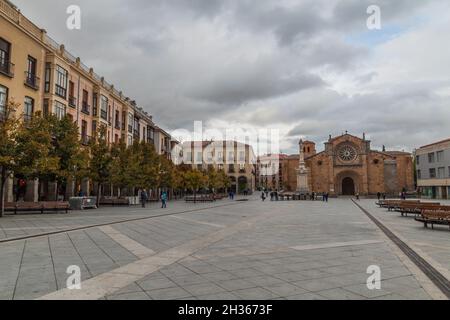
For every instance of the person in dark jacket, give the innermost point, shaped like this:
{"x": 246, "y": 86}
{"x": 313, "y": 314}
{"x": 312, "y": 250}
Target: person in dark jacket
{"x": 144, "y": 198}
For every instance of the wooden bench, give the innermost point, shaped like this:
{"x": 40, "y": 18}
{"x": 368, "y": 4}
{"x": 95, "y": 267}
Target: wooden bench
{"x": 40, "y": 207}
{"x": 201, "y": 198}
{"x": 416, "y": 208}
{"x": 439, "y": 217}
{"x": 392, "y": 205}
{"x": 114, "y": 202}
{"x": 55, "y": 206}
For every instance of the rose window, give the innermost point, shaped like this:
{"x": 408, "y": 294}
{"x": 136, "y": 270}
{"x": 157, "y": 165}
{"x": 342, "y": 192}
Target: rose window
{"x": 347, "y": 153}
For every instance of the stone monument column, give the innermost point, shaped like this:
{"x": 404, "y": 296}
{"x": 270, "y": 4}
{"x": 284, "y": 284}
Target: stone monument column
{"x": 302, "y": 173}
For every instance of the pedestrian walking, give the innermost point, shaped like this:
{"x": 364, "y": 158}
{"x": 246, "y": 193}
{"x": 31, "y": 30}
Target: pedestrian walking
{"x": 144, "y": 198}
{"x": 357, "y": 196}
{"x": 164, "y": 200}
{"x": 263, "y": 196}
{"x": 327, "y": 195}
{"x": 379, "y": 196}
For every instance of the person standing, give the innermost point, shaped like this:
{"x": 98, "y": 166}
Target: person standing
{"x": 379, "y": 196}
{"x": 144, "y": 198}
{"x": 263, "y": 196}
{"x": 164, "y": 200}
{"x": 357, "y": 196}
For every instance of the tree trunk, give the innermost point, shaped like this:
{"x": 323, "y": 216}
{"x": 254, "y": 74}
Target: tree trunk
{"x": 2, "y": 191}
{"x": 56, "y": 190}
{"x": 98, "y": 195}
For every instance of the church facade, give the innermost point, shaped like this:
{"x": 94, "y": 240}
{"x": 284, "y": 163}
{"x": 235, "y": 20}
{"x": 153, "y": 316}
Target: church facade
{"x": 348, "y": 166}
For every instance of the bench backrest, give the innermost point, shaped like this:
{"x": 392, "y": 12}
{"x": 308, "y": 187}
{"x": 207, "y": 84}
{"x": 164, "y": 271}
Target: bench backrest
{"x": 436, "y": 214}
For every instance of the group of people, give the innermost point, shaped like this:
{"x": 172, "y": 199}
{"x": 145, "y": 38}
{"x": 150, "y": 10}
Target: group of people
{"x": 145, "y": 196}
{"x": 274, "y": 196}
{"x": 381, "y": 196}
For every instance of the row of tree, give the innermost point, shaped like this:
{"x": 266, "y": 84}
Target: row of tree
{"x": 49, "y": 149}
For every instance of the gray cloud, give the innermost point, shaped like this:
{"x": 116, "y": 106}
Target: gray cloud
{"x": 288, "y": 64}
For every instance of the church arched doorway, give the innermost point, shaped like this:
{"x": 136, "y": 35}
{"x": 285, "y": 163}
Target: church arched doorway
{"x": 348, "y": 187}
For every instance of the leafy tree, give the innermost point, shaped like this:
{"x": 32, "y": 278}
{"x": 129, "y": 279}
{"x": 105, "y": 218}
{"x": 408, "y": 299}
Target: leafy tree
{"x": 120, "y": 166}
{"x": 34, "y": 157}
{"x": 100, "y": 160}
{"x": 195, "y": 180}
{"x": 165, "y": 173}
{"x": 8, "y": 145}
{"x": 214, "y": 180}
{"x": 225, "y": 181}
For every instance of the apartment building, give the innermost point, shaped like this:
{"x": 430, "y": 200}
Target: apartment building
{"x": 41, "y": 75}
{"x": 237, "y": 159}
{"x": 433, "y": 170}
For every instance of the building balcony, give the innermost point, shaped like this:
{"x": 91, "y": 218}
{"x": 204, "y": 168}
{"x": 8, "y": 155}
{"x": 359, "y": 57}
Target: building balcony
{"x": 27, "y": 118}
{"x": 31, "y": 80}
{"x": 72, "y": 102}
{"x": 7, "y": 69}
{"x": 85, "y": 140}
{"x": 85, "y": 108}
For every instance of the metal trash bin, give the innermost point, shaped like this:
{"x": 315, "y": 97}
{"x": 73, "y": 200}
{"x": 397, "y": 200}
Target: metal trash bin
{"x": 81, "y": 203}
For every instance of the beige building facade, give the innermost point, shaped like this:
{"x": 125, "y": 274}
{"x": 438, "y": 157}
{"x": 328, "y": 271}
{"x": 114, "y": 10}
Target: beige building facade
{"x": 237, "y": 159}
{"x": 41, "y": 75}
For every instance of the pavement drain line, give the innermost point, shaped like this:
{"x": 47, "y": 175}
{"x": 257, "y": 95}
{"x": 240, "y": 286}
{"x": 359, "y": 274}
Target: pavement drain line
{"x": 435, "y": 283}
{"x": 112, "y": 223}
{"x": 110, "y": 282}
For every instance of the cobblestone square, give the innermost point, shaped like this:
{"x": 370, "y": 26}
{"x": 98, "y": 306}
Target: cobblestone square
{"x": 249, "y": 250}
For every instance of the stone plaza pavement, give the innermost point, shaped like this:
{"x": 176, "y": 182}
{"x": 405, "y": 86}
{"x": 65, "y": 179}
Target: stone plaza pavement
{"x": 224, "y": 250}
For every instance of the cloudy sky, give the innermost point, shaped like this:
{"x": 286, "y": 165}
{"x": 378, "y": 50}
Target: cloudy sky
{"x": 308, "y": 68}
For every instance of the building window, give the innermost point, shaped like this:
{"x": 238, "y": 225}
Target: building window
{"x": 30, "y": 75}
{"x": 94, "y": 105}
{"x": 48, "y": 70}
{"x": 104, "y": 107}
{"x": 117, "y": 120}
{"x": 431, "y": 157}
{"x": 199, "y": 157}
{"x": 137, "y": 128}
{"x": 94, "y": 128}
{"x": 417, "y": 160}
{"x": 130, "y": 122}
{"x": 150, "y": 134}
{"x": 45, "y": 107}
{"x": 61, "y": 82}
{"x": 449, "y": 172}
{"x": 3, "y": 99}
{"x": 441, "y": 173}
{"x": 59, "y": 110}
{"x": 28, "y": 108}
{"x": 5, "y": 51}
{"x": 432, "y": 173}
{"x": 440, "y": 156}
{"x": 419, "y": 174}
{"x": 130, "y": 140}
{"x": 72, "y": 99}
{"x": 85, "y": 104}
{"x": 242, "y": 156}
